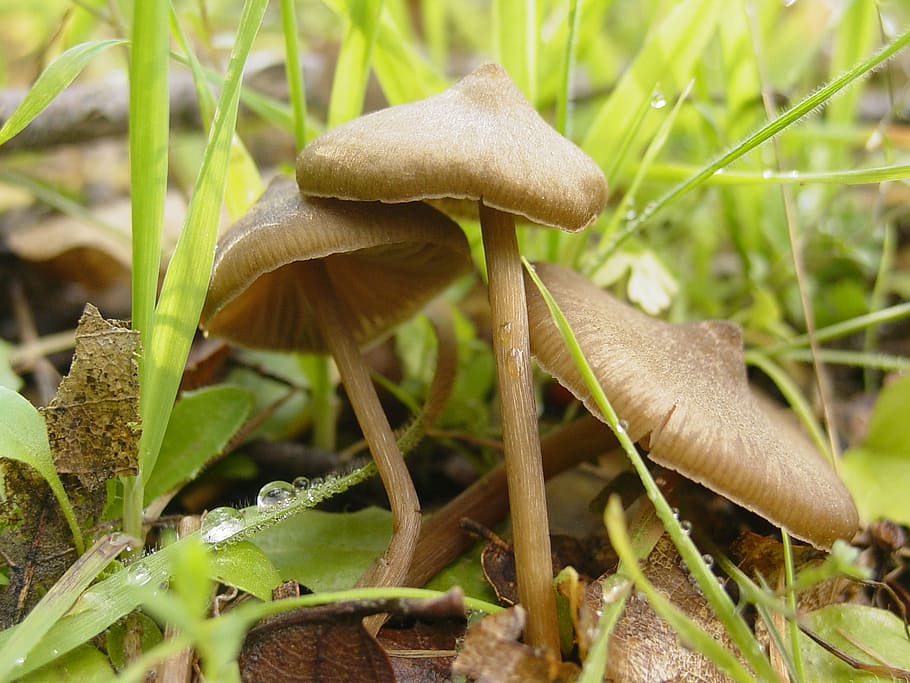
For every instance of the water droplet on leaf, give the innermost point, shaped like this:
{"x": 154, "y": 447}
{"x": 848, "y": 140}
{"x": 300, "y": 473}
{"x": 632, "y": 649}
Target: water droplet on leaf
{"x": 275, "y": 494}
{"x": 220, "y": 524}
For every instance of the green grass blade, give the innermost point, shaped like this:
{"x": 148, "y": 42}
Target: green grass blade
{"x": 516, "y": 26}
{"x": 350, "y": 82}
{"x": 401, "y": 70}
{"x": 59, "y": 74}
{"x": 689, "y": 631}
{"x": 564, "y": 95}
{"x": 292, "y": 69}
{"x": 714, "y": 593}
{"x": 58, "y": 599}
{"x": 186, "y": 281}
{"x": 788, "y": 118}
{"x": 23, "y": 437}
{"x": 665, "y": 61}
{"x": 853, "y": 176}
{"x": 148, "y": 140}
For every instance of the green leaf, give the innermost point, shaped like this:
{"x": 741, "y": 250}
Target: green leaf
{"x": 326, "y": 551}
{"x": 853, "y": 629}
{"x": 59, "y": 74}
{"x": 878, "y": 472}
{"x": 23, "y": 437}
{"x": 244, "y": 566}
{"x": 86, "y": 663}
{"x": 201, "y": 425}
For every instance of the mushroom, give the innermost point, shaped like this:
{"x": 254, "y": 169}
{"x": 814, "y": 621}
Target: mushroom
{"x": 681, "y": 391}
{"x": 480, "y": 140}
{"x": 328, "y": 275}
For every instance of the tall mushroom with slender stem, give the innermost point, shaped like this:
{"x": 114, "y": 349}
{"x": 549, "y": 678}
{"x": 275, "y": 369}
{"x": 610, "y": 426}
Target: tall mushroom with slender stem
{"x": 480, "y": 140}
{"x": 329, "y": 275}
{"x": 682, "y": 392}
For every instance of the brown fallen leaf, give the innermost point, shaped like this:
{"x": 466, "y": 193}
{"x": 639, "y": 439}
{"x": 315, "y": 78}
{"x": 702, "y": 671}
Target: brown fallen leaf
{"x": 491, "y": 653}
{"x": 330, "y": 643}
{"x": 93, "y": 434}
{"x": 643, "y": 647}
{"x": 93, "y": 421}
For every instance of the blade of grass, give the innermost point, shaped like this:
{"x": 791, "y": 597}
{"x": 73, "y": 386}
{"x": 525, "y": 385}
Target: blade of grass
{"x": 59, "y": 74}
{"x": 853, "y": 176}
{"x": 58, "y": 599}
{"x": 689, "y": 631}
{"x": 564, "y": 95}
{"x": 714, "y": 593}
{"x": 148, "y": 141}
{"x": 292, "y": 70}
{"x": 362, "y": 18}
{"x": 765, "y": 133}
{"x": 516, "y": 26}
{"x": 792, "y": 625}
{"x": 667, "y": 57}
{"x": 600, "y": 253}
{"x": 186, "y": 281}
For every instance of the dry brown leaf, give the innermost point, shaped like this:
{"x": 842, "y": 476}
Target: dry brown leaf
{"x": 491, "y": 653}
{"x": 93, "y": 421}
{"x": 643, "y": 647}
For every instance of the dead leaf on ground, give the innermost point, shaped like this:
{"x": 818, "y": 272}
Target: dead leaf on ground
{"x": 491, "y": 653}
{"x": 93, "y": 436}
{"x": 93, "y": 421}
{"x": 329, "y": 642}
{"x": 644, "y": 648}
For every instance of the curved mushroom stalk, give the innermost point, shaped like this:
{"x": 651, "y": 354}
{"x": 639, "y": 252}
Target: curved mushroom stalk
{"x": 334, "y": 321}
{"x": 482, "y": 141}
{"x": 327, "y": 275}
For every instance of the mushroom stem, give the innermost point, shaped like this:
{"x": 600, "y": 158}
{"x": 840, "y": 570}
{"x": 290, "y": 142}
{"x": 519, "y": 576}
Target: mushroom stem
{"x": 486, "y": 501}
{"x": 332, "y": 316}
{"x": 521, "y": 444}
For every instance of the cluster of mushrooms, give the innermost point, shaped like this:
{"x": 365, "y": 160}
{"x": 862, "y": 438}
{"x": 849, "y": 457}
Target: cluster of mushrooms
{"x": 335, "y": 261}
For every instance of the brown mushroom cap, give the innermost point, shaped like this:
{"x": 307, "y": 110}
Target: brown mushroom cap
{"x": 385, "y": 263}
{"x": 682, "y": 391}
{"x": 479, "y": 140}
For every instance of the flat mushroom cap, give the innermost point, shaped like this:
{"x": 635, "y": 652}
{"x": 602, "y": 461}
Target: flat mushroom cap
{"x": 478, "y": 140}
{"x": 385, "y": 263}
{"x": 683, "y": 391}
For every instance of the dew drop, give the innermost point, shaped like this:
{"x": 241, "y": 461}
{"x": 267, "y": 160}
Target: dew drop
{"x": 686, "y": 526}
{"x": 631, "y": 215}
{"x": 515, "y": 362}
{"x": 220, "y": 524}
{"x": 138, "y": 574}
{"x": 675, "y": 512}
{"x": 301, "y": 483}
{"x": 658, "y": 101}
{"x": 624, "y": 425}
{"x": 708, "y": 559}
{"x": 767, "y": 173}
{"x": 275, "y": 494}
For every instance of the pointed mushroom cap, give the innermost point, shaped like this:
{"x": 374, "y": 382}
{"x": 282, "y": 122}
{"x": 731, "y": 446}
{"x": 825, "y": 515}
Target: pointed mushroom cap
{"x": 684, "y": 393}
{"x": 479, "y": 140}
{"x": 385, "y": 262}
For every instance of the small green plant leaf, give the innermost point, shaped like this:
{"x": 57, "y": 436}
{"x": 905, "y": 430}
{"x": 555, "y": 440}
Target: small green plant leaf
{"x": 201, "y": 424}
{"x": 859, "y": 631}
{"x": 86, "y": 663}
{"x": 59, "y": 74}
{"x": 23, "y": 437}
{"x": 326, "y": 551}
{"x": 244, "y": 566}
{"x": 878, "y": 472}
